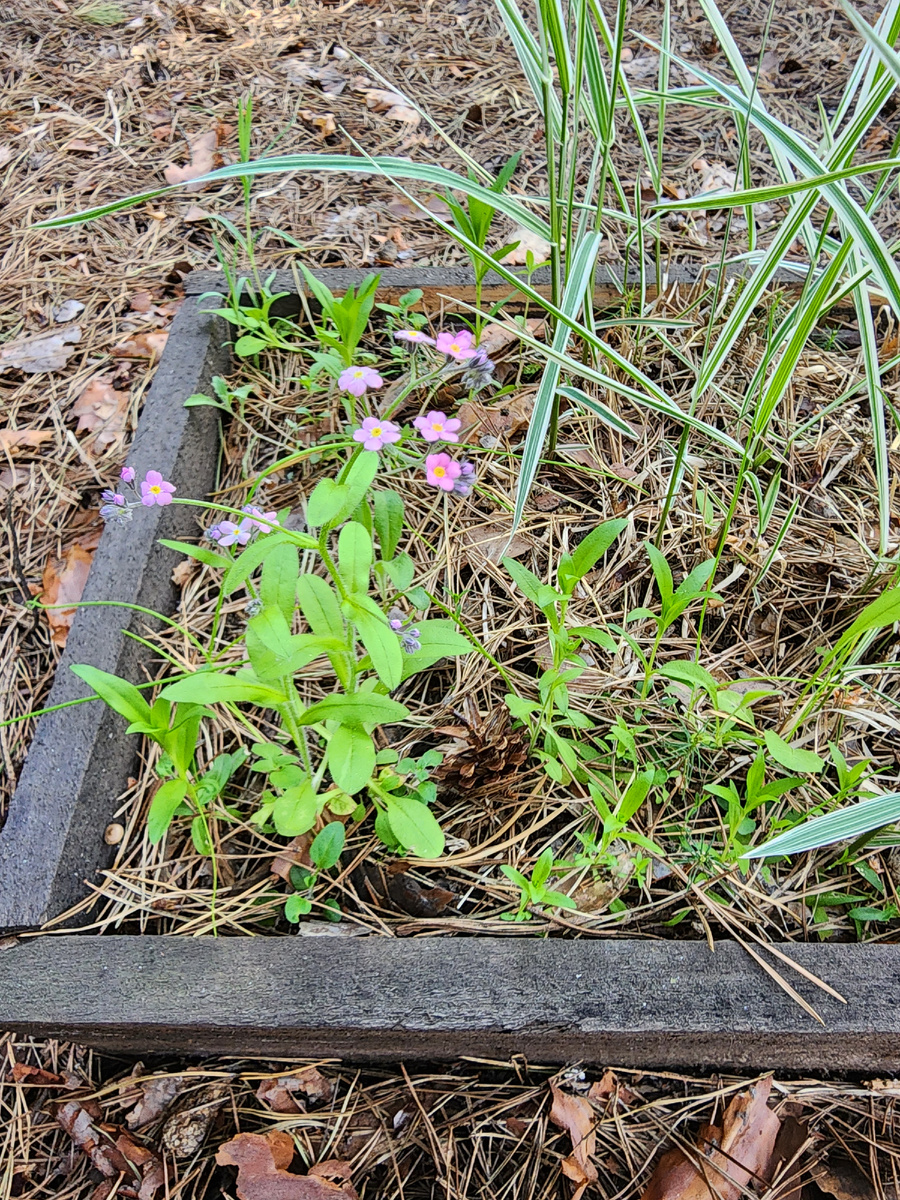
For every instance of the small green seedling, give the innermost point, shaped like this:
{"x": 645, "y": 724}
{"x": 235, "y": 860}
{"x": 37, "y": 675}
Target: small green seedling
{"x": 534, "y": 891}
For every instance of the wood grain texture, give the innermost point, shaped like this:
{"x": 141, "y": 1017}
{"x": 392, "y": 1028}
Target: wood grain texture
{"x": 635, "y": 1003}
{"x": 80, "y": 759}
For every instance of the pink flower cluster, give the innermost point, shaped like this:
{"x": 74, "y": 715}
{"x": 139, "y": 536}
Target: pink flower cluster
{"x": 154, "y": 490}
{"x": 230, "y": 533}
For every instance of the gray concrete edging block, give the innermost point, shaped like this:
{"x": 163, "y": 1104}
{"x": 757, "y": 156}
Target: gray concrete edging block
{"x": 80, "y": 759}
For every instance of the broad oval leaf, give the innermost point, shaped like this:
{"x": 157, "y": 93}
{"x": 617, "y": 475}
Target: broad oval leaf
{"x": 415, "y": 826}
{"x": 793, "y": 758}
{"x": 351, "y": 758}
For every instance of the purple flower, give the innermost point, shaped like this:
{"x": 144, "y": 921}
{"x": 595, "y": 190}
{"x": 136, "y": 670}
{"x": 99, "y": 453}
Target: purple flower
{"x": 257, "y": 516}
{"x": 479, "y": 369}
{"x": 435, "y": 427}
{"x": 409, "y": 641}
{"x": 442, "y": 471}
{"x": 356, "y": 380}
{"x": 416, "y": 336}
{"x": 463, "y": 485}
{"x": 155, "y": 490}
{"x": 127, "y": 474}
{"x": 230, "y": 534}
{"x": 458, "y": 346}
{"x": 214, "y": 532}
{"x": 113, "y": 498}
{"x": 375, "y": 434}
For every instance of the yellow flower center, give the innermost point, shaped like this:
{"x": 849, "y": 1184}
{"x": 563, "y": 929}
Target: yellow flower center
{"x": 454, "y": 346}
{"x": 437, "y": 426}
{"x": 357, "y": 374}
{"x": 440, "y": 472}
{"x": 155, "y": 489}
{"x": 376, "y": 432}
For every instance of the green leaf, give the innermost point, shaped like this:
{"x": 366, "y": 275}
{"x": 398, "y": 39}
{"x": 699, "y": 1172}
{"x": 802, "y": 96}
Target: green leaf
{"x": 388, "y": 522}
{"x": 200, "y": 837}
{"x": 278, "y": 582}
{"x": 212, "y": 687}
{"x": 542, "y": 868}
{"x": 437, "y": 639}
{"x": 379, "y": 639}
{"x": 692, "y": 674}
{"x": 250, "y": 558}
{"x": 295, "y": 810}
{"x": 121, "y": 696}
{"x": 328, "y": 845}
{"x": 326, "y": 501}
{"x": 360, "y": 708}
{"x": 662, "y": 572}
{"x": 351, "y": 758}
{"x": 589, "y": 551}
{"x": 162, "y": 807}
{"x": 297, "y": 906}
{"x": 319, "y": 604}
{"x": 415, "y": 826}
{"x": 845, "y": 824}
{"x": 355, "y": 557}
{"x": 200, "y": 553}
{"x": 400, "y": 570}
{"x": 695, "y": 582}
{"x": 793, "y": 758}
{"x": 247, "y": 345}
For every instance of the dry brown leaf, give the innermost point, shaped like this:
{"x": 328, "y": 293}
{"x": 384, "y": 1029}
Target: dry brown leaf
{"x": 491, "y": 542}
{"x": 575, "y": 1115}
{"x": 290, "y": 1093}
{"x": 155, "y": 1097}
{"x": 67, "y": 311}
{"x": 184, "y": 572}
{"x": 730, "y": 1155}
{"x": 123, "y": 1156}
{"x": 487, "y": 424}
{"x": 204, "y": 158}
{"x": 40, "y": 352}
{"x": 608, "y": 1085}
{"x": 63, "y": 583}
{"x": 324, "y": 123}
{"x": 714, "y": 176}
{"x": 262, "y": 1163}
{"x": 845, "y": 1181}
{"x": 194, "y": 214}
{"x": 497, "y": 336}
{"x": 394, "y": 106}
{"x": 16, "y": 439}
{"x": 143, "y": 345}
{"x": 329, "y": 78}
{"x": 102, "y": 411}
{"x": 184, "y": 1132}
{"x": 5, "y": 155}
{"x": 528, "y": 240}
{"x": 38, "y": 1077}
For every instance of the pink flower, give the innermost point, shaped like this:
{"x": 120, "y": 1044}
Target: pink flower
{"x": 155, "y": 490}
{"x": 456, "y": 345}
{"x": 127, "y": 473}
{"x": 356, "y": 380}
{"x": 414, "y": 335}
{"x": 257, "y": 516}
{"x": 441, "y": 471}
{"x": 374, "y": 433}
{"x": 115, "y": 498}
{"x": 435, "y": 427}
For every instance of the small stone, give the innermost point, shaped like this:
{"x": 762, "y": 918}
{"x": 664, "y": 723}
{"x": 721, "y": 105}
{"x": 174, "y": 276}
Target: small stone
{"x": 114, "y": 834}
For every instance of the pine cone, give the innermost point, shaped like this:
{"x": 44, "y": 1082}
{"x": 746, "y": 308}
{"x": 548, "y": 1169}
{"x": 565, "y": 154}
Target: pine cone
{"x": 488, "y": 749}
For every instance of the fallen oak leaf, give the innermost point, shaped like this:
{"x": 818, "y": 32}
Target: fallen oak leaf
{"x": 143, "y": 345}
{"x": 728, "y": 1156}
{"x": 102, "y": 411}
{"x": 204, "y": 157}
{"x": 17, "y": 439}
{"x": 523, "y": 241}
{"x": 289, "y": 1093}
{"x": 394, "y": 106}
{"x": 155, "y": 1096}
{"x": 323, "y": 123}
{"x": 38, "y": 1077}
{"x": 78, "y": 1120}
{"x": 493, "y": 541}
{"x": 575, "y": 1115}
{"x": 262, "y": 1162}
{"x": 63, "y": 583}
{"x": 40, "y": 352}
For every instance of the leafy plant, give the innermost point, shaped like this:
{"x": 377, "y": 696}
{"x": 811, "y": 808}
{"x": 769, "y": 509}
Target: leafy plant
{"x": 534, "y": 892}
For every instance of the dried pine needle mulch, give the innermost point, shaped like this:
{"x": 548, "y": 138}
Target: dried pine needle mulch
{"x": 494, "y": 804}
{"x": 96, "y": 99}
{"x": 466, "y": 1130}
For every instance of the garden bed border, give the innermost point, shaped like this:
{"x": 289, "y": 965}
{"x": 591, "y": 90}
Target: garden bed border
{"x": 634, "y": 1002}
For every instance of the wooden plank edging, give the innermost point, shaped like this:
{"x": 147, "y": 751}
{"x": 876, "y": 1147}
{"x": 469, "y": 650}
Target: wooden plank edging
{"x": 634, "y": 1003}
